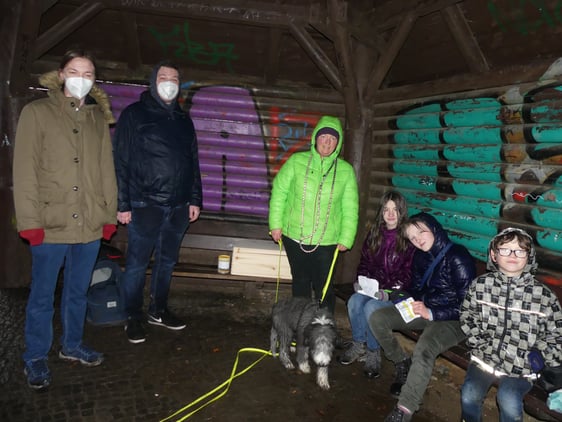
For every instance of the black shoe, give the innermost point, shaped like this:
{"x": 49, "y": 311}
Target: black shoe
{"x": 402, "y": 369}
{"x": 397, "y": 415}
{"x": 135, "y": 331}
{"x": 166, "y": 319}
{"x": 355, "y": 351}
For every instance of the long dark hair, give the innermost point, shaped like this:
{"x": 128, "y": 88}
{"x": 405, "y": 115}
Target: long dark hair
{"x": 375, "y": 233}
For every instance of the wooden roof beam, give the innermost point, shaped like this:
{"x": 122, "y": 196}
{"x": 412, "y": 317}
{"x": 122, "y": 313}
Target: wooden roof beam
{"x": 465, "y": 39}
{"x": 342, "y": 42}
{"x": 47, "y": 4}
{"x": 260, "y": 13}
{"x": 385, "y": 62}
{"x": 24, "y": 43}
{"x": 70, "y": 23}
{"x": 318, "y": 56}
{"x": 273, "y": 57}
{"x": 390, "y": 14}
{"x": 132, "y": 53}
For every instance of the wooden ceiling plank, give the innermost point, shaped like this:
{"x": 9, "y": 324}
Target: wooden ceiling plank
{"x": 465, "y": 39}
{"x": 70, "y": 23}
{"x": 385, "y": 62}
{"x": 273, "y": 56}
{"x": 317, "y": 55}
{"x": 132, "y": 52}
{"x": 24, "y": 44}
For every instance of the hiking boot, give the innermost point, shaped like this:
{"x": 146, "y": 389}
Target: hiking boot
{"x": 82, "y": 354}
{"x": 37, "y": 374}
{"x": 135, "y": 331}
{"x": 398, "y": 415}
{"x": 401, "y": 373}
{"x": 372, "y": 367}
{"x": 166, "y": 319}
{"x": 355, "y": 351}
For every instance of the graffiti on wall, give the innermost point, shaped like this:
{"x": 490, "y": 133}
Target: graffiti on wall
{"x": 178, "y": 44}
{"x": 481, "y": 164}
{"x": 526, "y": 16}
{"x": 289, "y": 133}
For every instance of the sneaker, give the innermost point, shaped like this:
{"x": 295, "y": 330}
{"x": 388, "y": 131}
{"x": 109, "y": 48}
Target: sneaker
{"x": 398, "y": 415}
{"x": 402, "y": 369}
{"x": 38, "y": 374}
{"x": 372, "y": 368}
{"x": 355, "y": 351}
{"x": 135, "y": 331}
{"x": 166, "y": 319}
{"x": 82, "y": 354}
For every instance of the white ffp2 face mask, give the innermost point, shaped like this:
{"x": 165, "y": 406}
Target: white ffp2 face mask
{"x": 78, "y": 87}
{"x": 168, "y": 90}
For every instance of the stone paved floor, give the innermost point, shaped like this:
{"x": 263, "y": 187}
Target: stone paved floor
{"x": 150, "y": 381}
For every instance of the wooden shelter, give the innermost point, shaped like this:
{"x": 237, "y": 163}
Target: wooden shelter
{"x": 455, "y": 103}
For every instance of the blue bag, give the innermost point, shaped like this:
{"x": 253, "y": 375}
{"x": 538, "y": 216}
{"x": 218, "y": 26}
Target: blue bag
{"x": 105, "y": 301}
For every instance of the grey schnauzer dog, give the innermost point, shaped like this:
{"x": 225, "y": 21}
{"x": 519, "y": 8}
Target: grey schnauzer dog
{"x": 315, "y": 332}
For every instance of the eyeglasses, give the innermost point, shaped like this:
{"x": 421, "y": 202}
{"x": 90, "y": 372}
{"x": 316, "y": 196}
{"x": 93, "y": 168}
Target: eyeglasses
{"x": 519, "y": 253}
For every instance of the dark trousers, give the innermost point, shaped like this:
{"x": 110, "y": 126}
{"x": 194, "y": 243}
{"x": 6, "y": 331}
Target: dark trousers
{"x": 310, "y": 271}
{"x": 159, "y": 229}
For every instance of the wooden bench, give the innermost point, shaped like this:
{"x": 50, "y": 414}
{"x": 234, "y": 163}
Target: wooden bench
{"x": 199, "y": 258}
{"x": 535, "y": 400}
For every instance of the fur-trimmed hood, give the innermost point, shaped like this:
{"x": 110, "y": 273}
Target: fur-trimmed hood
{"x": 52, "y": 82}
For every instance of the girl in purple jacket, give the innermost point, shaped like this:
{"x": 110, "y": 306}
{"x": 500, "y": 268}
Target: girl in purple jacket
{"x": 386, "y": 257}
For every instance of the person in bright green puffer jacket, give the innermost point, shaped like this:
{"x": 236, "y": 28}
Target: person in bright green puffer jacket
{"x": 314, "y": 209}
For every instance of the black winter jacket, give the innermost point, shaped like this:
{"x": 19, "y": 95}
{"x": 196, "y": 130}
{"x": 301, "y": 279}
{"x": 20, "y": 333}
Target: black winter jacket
{"x": 444, "y": 292}
{"x": 156, "y": 156}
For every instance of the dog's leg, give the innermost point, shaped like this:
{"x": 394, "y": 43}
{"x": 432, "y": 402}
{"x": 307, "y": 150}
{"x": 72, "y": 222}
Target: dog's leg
{"x": 322, "y": 377}
{"x": 302, "y": 350}
{"x": 273, "y": 342}
{"x": 302, "y": 358}
{"x": 285, "y": 342}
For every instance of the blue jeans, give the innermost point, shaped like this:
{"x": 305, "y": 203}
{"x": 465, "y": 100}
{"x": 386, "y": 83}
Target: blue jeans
{"x": 359, "y": 309}
{"x": 437, "y": 336}
{"x": 511, "y": 391}
{"x": 47, "y": 260}
{"x": 159, "y": 229}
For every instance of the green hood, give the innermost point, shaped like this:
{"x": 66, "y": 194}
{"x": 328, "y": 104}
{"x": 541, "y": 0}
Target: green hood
{"x": 331, "y": 122}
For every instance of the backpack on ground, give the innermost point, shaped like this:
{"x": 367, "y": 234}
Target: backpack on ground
{"x": 105, "y": 301}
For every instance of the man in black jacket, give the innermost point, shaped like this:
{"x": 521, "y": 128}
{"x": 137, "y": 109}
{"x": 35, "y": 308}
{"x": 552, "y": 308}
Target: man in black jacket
{"x": 159, "y": 182}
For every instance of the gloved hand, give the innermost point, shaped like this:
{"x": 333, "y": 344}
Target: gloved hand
{"x": 381, "y": 295}
{"x": 108, "y": 231}
{"x": 33, "y": 236}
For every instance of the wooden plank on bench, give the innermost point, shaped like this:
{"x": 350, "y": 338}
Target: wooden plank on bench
{"x": 210, "y": 273}
{"x": 222, "y": 243}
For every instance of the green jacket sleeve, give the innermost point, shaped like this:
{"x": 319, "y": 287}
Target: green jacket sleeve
{"x": 282, "y": 188}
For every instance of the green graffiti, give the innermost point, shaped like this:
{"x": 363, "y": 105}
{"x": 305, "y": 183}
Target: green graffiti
{"x": 515, "y": 16}
{"x": 177, "y": 43}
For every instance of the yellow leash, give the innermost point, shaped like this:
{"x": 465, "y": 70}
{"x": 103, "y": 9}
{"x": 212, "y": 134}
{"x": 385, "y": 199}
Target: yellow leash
{"x": 327, "y": 284}
{"x": 225, "y": 385}
{"x": 233, "y": 375}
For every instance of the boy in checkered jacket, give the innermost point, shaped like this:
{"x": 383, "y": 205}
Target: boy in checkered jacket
{"x": 508, "y": 316}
